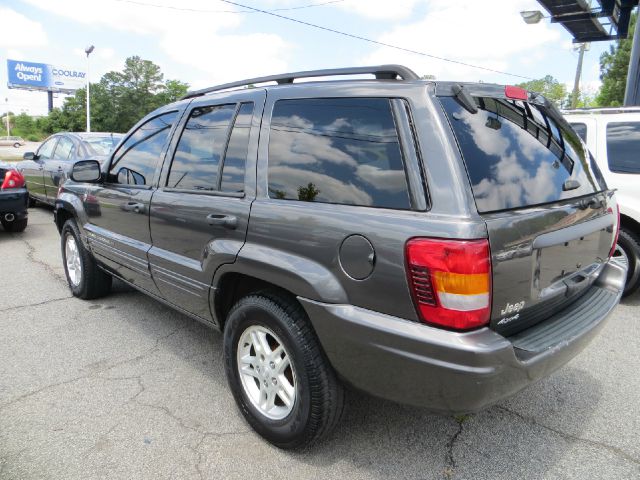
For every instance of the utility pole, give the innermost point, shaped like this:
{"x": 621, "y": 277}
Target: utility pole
{"x": 576, "y": 83}
{"x": 632, "y": 91}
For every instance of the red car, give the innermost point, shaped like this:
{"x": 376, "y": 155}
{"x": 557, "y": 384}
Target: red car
{"x": 14, "y": 199}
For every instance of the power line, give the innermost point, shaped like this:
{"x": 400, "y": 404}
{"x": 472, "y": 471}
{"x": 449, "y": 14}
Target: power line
{"x": 198, "y": 10}
{"x": 365, "y": 39}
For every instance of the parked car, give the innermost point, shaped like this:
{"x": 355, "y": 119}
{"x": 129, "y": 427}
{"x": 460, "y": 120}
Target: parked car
{"x": 13, "y": 199}
{"x": 613, "y": 136}
{"x": 438, "y": 244}
{"x": 45, "y": 169}
{"x": 11, "y": 142}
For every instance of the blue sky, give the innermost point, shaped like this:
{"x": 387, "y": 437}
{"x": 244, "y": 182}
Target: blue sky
{"x": 203, "y": 44}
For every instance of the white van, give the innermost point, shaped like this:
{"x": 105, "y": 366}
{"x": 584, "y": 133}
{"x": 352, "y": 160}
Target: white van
{"x": 613, "y": 137}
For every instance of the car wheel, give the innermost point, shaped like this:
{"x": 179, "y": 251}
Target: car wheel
{"x": 280, "y": 377}
{"x": 16, "y": 226}
{"x": 32, "y": 202}
{"x": 16, "y": 145}
{"x": 628, "y": 251}
{"x": 85, "y": 279}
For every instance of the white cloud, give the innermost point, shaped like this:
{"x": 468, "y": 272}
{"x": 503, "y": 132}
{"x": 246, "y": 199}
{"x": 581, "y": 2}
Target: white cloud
{"x": 19, "y": 31}
{"x": 197, "y": 40}
{"x": 380, "y": 9}
{"x": 468, "y": 31}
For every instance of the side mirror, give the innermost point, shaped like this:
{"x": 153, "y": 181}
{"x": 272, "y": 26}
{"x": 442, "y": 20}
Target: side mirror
{"x": 29, "y": 156}
{"x": 86, "y": 171}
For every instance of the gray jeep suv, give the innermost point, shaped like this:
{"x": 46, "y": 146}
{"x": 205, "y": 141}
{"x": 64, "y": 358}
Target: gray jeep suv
{"x": 436, "y": 244}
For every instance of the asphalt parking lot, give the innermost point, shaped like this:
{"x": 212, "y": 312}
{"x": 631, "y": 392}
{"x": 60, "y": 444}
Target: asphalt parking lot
{"x": 124, "y": 387}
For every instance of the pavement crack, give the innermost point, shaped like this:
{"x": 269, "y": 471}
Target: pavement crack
{"x": 571, "y": 437}
{"x": 37, "y": 304}
{"x": 31, "y": 252}
{"x": 450, "y": 461}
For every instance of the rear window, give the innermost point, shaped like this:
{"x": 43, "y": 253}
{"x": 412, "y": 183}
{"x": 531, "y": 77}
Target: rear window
{"x": 517, "y": 155}
{"x": 623, "y": 147}
{"x": 337, "y": 150}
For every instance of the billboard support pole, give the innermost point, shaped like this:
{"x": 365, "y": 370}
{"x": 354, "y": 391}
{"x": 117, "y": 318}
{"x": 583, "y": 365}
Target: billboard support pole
{"x": 50, "y": 98}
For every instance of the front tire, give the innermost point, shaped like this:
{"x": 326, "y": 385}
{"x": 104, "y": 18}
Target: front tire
{"x": 85, "y": 279}
{"x": 16, "y": 145}
{"x": 628, "y": 250}
{"x": 280, "y": 377}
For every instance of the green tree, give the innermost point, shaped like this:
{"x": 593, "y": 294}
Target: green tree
{"x": 548, "y": 86}
{"x": 308, "y": 193}
{"x": 119, "y": 100}
{"x": 614, "y": 65}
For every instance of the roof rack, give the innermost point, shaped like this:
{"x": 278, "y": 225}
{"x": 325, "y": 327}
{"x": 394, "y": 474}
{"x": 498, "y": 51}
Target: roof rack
{"x": 388, "y": 72}
{"x": 603, "y": 110}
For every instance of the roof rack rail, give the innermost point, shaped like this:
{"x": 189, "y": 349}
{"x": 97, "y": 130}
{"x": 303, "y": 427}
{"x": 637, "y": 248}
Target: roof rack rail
{"x": 389, "y": 72}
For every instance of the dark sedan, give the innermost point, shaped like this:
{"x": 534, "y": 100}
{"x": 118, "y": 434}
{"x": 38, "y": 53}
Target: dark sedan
{"x": 13, "y": 199}
{"x": 45, "y": 169}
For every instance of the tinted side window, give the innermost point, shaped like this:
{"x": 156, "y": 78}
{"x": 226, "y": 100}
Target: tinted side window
{"x": 63, "y": 149}
{"x": 336, "y": 150}
{"x": 46, "y": 149}
{"x": 581, "y": 130}
{"x": 623, "y": 147}
{"x": 135, "y": 161}
{"x": 201, "y": 146}
{"x": 236, "y": 156}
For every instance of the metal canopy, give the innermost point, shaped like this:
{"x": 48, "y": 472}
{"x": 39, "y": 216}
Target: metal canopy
{"x": 609, "y": 20}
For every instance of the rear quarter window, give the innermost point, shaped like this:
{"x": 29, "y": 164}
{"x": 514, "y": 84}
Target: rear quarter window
{"x": 337, "y": 150}
{"x": 623, "y": 147}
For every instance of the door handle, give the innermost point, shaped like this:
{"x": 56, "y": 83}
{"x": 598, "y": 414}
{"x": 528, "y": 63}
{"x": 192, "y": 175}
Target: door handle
{"x": 226, "y": 221}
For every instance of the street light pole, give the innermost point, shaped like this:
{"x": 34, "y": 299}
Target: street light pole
{"x": 6, "y": 100}
{"x": 88, "y": 51}
{"x": 576, "y": 84}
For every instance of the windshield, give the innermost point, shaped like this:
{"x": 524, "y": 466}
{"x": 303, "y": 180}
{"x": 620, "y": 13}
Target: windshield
{"x": 101, "y": 145}
{"x": 518, "y": 155}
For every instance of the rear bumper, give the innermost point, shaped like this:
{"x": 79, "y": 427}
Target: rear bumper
{"x": 15, "y": 201}
{"x": 453, "y": 372}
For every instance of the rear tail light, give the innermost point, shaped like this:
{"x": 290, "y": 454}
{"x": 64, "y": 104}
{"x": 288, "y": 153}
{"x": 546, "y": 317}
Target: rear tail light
{"x": 517, "y": 93}
{"x": 450, "y": 281}
{"x": 13, "y": 179}
{"x": 617, "y": 230}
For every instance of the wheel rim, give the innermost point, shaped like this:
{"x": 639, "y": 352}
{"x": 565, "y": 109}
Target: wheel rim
{"x": 73, "y": 263}
{"x": 620, "y": 255}
{"x": 266, "y": 372}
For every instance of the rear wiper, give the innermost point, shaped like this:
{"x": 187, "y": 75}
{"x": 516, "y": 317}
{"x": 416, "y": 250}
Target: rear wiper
{"x": 570, "y": 184}
{"x": 465, "y": 99}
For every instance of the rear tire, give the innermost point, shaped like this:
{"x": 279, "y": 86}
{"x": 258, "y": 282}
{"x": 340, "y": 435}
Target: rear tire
{"x": 16, "y": 145}
{"x": 85, "y": 279}
{"x": 316, "y": 398}
{"x": 16, "y": 226}
{"x": 630, "y": 244}
{"x": 32, "y": 202}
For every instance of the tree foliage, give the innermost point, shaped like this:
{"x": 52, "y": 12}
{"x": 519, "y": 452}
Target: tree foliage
{"x": 614, "y": 65}
{"x": 548, "y": 86}
{"x": 120, "y": 99}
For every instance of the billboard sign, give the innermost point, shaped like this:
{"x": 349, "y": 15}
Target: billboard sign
{"x": 42, "y": 76}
